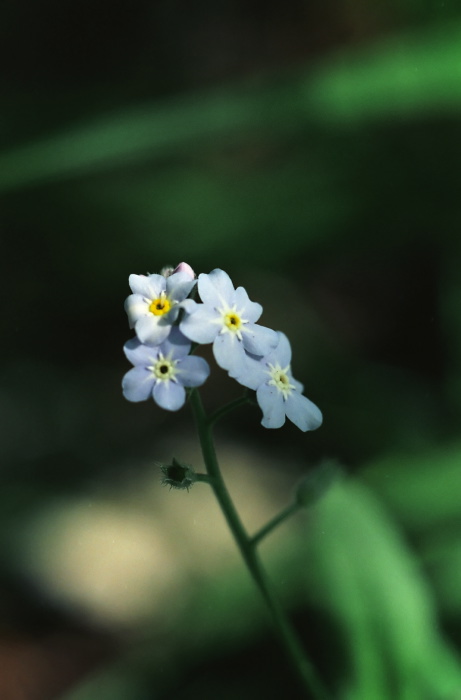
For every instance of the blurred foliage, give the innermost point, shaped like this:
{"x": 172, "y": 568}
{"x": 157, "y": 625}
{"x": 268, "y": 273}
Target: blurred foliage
{"x": 312, "y": 151}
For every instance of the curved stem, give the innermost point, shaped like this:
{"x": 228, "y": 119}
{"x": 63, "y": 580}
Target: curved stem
{"x": 283, "y": 515}
{"x": 221, "y": 412}
{"x": 287, "y": 636}
{"x": 205, "y": 478}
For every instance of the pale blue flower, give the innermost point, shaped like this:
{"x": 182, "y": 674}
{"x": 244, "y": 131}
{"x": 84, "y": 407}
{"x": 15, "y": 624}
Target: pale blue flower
{"x": 227, "y": 318}
{"x": 277, "y": 392}
{"x": 155, "y": 304}
{"x": 162, "y": 371}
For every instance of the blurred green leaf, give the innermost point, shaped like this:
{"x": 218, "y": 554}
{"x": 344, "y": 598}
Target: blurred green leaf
{"x": 403, "y": 75}
{"x": 441, "y": 556}
{"x": 151, "y": 131}
{"x": 114, "y": 684}
{"x": 422, "y": 489}
{"x": 369, "y": 580}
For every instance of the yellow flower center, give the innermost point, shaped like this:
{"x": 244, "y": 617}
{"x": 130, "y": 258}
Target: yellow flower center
{"x": 281, "y": 379}
{"x": 232, "y": 321}
{"x": 160, "y": 306}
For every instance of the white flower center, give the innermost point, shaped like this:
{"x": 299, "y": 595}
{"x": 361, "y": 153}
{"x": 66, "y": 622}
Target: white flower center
{"x": 281, "y": 379}
{"x": 164, "y": 368}
{"x": 232, "y": 321}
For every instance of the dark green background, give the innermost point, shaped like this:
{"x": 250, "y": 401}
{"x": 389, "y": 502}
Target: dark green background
{"x": 313, "y": 152}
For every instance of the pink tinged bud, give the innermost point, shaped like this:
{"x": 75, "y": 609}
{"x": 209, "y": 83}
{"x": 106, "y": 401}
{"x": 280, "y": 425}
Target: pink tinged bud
{"x": 184, "y": 267}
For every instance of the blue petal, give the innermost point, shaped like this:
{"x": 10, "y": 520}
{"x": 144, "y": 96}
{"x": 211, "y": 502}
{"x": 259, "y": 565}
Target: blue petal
{"x": 216, "y": 289}
{"x": 150, "y": 287}
{"x": 169, "y": 318}
{"x": 140, "y": 354}
{"x": 282, "y": 353}
{"x": 137, "y": 384}
{"x": 228, "y": 351}
{"x": 169, "y": 395}
{"x": 302, "y": 412}
{"x": 250, "y": 310}
{"x": 176, "y": 344}
{"x": 251, "y": 372}
{"x": 150, "y": 330}
{"x": 298, "y": 385}
{"x": 193, "y": 371}
{"x": 259, "y": 340}
{"x": 178, "y": 285}
{"x": 272, "y": 405}
{"x": 202, "y": 326}
{"x": 135, "y": 307}
{"x": 189, "y": 306}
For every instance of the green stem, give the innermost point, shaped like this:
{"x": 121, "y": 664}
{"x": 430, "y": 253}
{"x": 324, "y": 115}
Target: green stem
{"x": 283, "y": 515}
{"x": 217, "y": 415}
{"x": 287, "y": 636}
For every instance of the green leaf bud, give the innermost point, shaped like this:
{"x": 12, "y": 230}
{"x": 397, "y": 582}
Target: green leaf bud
{"x": 315, "y": 484}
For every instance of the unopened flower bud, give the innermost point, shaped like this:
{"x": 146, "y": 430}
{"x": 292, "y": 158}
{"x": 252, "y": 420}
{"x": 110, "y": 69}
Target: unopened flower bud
{"x": 184, "y": 267}
{"x": 177, "y": 475}
{"x": 315, "y": 484}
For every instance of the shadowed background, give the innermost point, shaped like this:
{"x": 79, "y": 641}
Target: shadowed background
{"x": 311, "y": 151}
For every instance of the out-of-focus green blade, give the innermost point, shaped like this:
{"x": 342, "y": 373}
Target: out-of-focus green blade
{"x": 401, "y": 76}
{"x": 422, "y": 489}
{"x": 150, "y": 131}
{"x": 372, "y": 586}
{"x": 405, "y": 75}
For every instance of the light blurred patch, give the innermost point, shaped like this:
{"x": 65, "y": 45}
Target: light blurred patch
{"x": 140, "y": 551}
{"x": 104, "y": 558}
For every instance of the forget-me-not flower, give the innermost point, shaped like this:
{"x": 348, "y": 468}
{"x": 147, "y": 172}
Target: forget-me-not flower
{"x": 155, "y": 303}
{"x": 277, "y": 392}
{"x": 162, "y": 371}
{"x": 227, "y": 318}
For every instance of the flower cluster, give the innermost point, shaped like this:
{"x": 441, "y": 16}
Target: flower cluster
{"x": 166, "y": 320}
{"x": 160, "y": 352}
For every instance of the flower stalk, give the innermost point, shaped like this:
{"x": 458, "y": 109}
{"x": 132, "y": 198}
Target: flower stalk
{"x": 248, "y": 549}
{"x": 169, "y": 326}
{"x": 275, "y": 522}
{"x": 231, "y": 406}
